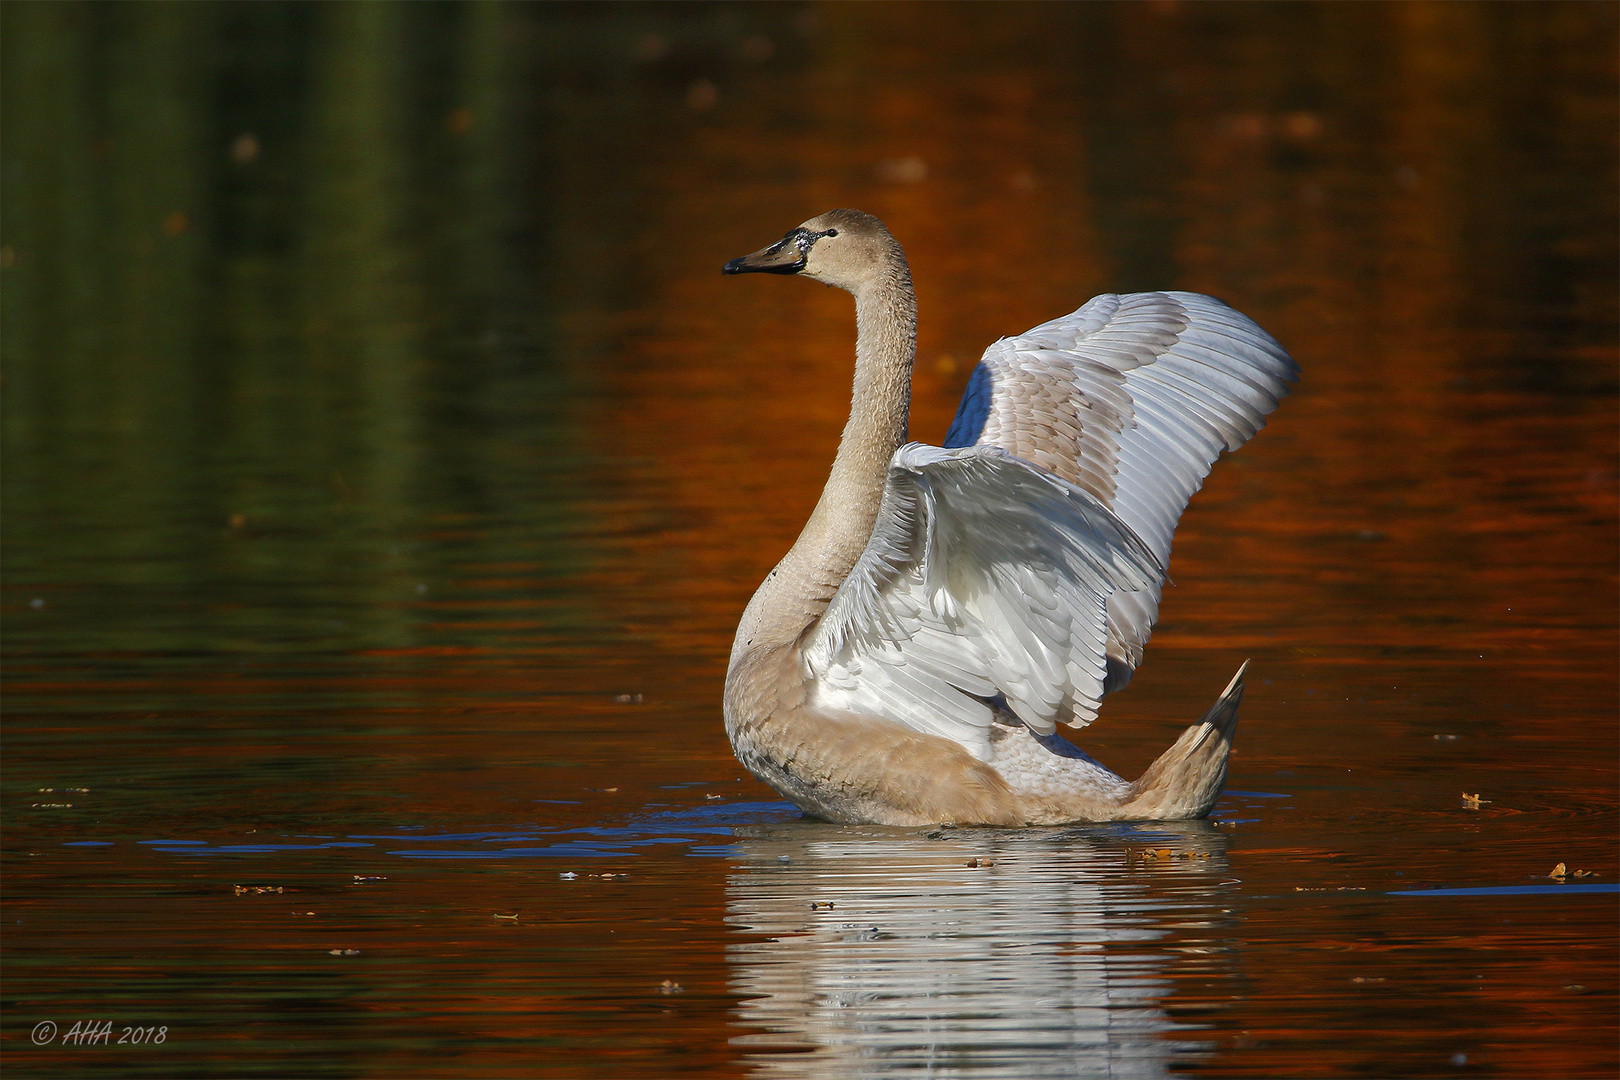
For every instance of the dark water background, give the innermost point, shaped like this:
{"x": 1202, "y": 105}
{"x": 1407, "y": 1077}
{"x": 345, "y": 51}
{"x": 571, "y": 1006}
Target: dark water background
{"x": 386, "y": 464}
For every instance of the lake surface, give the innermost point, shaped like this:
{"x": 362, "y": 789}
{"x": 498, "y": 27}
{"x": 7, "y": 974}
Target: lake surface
{"x": 386, "y": 464}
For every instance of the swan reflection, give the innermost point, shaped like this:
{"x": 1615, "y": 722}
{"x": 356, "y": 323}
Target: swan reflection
{"x": 983, "y": 953}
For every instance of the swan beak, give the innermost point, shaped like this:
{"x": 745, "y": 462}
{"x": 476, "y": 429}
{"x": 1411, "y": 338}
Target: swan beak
{"x": 786, "y": 256}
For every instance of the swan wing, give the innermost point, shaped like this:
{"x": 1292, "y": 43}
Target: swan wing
{"x": 985, "y": 577}
{"x": 1132, "y": 397}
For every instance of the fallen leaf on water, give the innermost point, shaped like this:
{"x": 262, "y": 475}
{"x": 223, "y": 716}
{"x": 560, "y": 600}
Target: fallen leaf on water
{"x": 1559, "y": 871}
{"x": 670, "y": 986}
{"x": 1473, "y": 802}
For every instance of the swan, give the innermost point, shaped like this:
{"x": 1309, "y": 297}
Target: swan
{"x": 945, "y": 608}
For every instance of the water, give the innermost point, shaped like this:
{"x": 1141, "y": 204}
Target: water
{"x": 386, "y": 465}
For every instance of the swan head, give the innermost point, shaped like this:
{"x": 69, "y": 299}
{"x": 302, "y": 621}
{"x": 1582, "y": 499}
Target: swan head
{"x": 846, "y": 248}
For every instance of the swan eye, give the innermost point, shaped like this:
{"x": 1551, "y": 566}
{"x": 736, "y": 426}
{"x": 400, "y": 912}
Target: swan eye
{"x": 830, "y": 232}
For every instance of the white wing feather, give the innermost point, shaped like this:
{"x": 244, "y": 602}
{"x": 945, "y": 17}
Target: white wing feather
{"x": 1132, "y": 398}
{"x": 1024, "y": 562}
{"x": 984, "y": 576}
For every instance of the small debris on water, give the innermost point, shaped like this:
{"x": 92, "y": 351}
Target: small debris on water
{"x": 1446, "y": 738}
{"x": 498, "y": 915}
{"x": 816, "y": 905}
{"x": 1472, "y": 802}
{"x": 257, "y": 889}
{"x": 568, "y": 875}
{"x": 343, "y": 952}
{"x": 369, "y": 877}
{"x": 303, "y": 914}
{"x": 628, "y": 699}
{"x": 670, "y": 986}
{"x": 1368, "y": 979}
{"x": 1168, "y": 853}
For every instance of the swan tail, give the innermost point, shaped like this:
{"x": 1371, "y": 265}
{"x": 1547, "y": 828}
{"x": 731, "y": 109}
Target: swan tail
{"x": 1186, "y": 779}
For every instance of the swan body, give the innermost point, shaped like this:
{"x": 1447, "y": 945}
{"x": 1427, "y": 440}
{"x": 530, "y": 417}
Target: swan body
{"x": 945, "y": 608}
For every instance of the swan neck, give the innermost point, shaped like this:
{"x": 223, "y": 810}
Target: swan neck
{"x": 795, "y": 594}
{"x": 880, "y": 408}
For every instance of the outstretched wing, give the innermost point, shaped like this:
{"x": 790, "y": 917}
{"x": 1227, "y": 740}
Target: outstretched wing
{"x": 985, "y": 576}
{"x": 1132, "y": 398}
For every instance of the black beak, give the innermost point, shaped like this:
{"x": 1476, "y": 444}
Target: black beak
{"x": 786, "y": 256}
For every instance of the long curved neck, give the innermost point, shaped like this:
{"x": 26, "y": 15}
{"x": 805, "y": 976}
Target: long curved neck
{"x": 794, "y": 595}
{"x": 885, "y": 346}
{"x": 764, "y": 675}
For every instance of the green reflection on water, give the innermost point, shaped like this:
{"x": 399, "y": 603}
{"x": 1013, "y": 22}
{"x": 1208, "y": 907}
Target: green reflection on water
{"x": 270, "y": 347}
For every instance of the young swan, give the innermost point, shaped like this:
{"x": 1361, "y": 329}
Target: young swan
{"x": 909, "y": 659}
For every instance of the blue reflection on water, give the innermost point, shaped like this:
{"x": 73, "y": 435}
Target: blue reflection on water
{"x": 1514, "y": 890}
{"x": 685, "y": 826}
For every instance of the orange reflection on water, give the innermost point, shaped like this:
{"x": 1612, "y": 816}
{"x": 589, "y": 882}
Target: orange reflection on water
{"x": 486, "y": 573}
